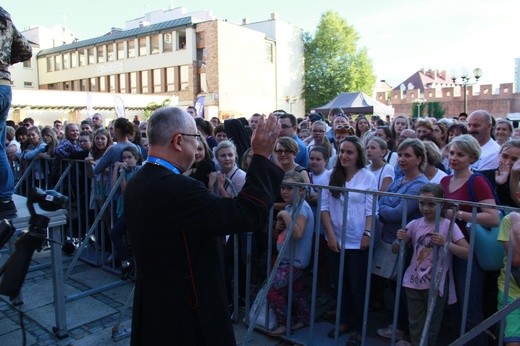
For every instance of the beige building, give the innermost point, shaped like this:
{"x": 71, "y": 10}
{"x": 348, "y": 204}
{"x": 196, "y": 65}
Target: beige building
{"x": 240, "y": 69}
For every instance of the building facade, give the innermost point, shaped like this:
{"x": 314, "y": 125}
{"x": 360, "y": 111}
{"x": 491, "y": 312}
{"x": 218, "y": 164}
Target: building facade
{"x": 240, "y": 69}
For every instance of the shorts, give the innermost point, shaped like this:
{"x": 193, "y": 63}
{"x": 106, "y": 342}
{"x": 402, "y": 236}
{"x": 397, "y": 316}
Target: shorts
{"x": 512, "y": 330}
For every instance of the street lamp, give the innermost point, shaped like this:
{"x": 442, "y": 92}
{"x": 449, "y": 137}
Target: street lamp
{"x": 419, "y": 102}
{"x": 465, "y": 78}
{"x": 290, "y": 100}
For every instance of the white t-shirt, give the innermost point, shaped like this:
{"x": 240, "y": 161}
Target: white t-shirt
{"x": 489, "y": 157}
{"x": 387, "y": 170}
{"x": 438, "y": 176}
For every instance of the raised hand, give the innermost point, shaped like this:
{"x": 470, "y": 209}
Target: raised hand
{"x": 265, "y": 136}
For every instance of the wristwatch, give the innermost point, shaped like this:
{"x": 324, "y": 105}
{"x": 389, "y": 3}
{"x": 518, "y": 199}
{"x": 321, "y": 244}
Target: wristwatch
{"x": 367, "y": 233}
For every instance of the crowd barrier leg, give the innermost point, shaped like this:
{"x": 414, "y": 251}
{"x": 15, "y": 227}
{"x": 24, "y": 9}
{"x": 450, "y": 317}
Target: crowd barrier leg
{"x": 58, "y": 283}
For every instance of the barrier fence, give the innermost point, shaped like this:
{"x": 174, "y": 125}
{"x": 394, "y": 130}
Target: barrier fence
{"x": 91, "y": 218}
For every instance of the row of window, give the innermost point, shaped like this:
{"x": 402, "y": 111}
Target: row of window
{"x": 141, "y": 46}
{"x": 163, "y": 80}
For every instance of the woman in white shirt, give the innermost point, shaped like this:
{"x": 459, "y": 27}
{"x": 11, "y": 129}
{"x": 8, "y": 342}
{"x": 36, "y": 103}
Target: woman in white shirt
{"x": 354, "y": 237}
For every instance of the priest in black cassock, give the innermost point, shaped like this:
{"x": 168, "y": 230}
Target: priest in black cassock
{"x": 173, "y": 222}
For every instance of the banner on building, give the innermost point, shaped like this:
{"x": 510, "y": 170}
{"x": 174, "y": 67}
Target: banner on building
{"x": 199, "y": 106}
{"x": 90, "y": 106}
{"x": 119, "y": 107}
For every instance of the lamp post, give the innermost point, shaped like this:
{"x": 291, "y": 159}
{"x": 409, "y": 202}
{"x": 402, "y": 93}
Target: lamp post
{"x": 465, "y": 78}
{"x": 290, "y": 100}
{"x": 419, "y": 102}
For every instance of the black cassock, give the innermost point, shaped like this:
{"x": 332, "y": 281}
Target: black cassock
{"x": 173, "y": 222}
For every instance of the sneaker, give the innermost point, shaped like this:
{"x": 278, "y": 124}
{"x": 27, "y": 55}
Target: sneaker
{"x": 7, "y": 208}
{"x": 387, "y": 333}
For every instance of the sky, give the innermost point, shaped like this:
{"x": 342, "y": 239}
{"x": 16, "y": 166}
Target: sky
{"x": 401, "y": 36}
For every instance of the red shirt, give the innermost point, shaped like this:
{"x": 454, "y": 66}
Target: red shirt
{"x": 482, "y": 191}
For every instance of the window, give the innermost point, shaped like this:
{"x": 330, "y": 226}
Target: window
{"x": 154, "y": 40}
{"x": 93, "y": 84}
{"x": 157, "y": 82}
{"x": 67, "y": 86}
{"x": 110, "y": 52}
{"x": 268, "y": 52}
{"x": 181, "y": 39}
{"x": 100, "y": 54}
{"x": 66, "y": 61}
{"x": 131, "y": 49}
{"x": 27, "y": 84}
{"x": 27, "y": 63}
{"x": 57, "y": 63}
{"x": 167, "y": 42}
{"x": 143, "y": 48}
{"x": 102, "y": 84}
{"x": 120, "y": 50}
{"x": 82, "y": 58}
{"x": 170, "y": 79}
{"x": 74, "y": 59}
{"x": 145, "y": 82}
{"x": 133, "y": 82}
{"x": 184, "y": 78}
{"x": 122, "y": 83}
{"x": 83, "y": 85}
{"x": 50, "y": 64}
{"x": 112, "y": 83}
{"x": 91, "y": 56}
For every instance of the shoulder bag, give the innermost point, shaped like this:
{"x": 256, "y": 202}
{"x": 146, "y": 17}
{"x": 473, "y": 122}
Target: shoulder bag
{"x": 488, "y": 250}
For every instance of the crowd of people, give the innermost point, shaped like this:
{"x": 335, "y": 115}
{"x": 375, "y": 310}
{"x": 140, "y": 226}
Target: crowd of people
{"x": 423, "y": 157}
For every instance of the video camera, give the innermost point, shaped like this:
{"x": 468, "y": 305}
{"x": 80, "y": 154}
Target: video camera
{"x": 15, "y": 269}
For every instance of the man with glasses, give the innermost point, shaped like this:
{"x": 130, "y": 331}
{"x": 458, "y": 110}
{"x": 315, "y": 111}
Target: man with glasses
{"x": 14, "y": 48}
{"x": 175, "y": 225}
{"x": 289, "y": 128}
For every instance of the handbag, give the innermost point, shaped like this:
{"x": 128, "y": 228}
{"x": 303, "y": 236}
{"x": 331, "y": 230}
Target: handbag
{"x": 384, "y": 262}
{"x": 260, "y": 304}
{"x": 488, "y": 250}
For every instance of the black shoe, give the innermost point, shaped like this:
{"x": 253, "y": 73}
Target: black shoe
{"x": 7, "y": 208}
{"x": 128, "y": 272}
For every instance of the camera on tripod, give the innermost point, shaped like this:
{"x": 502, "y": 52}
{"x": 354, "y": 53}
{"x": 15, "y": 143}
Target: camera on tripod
{"x": 15, "y": 269}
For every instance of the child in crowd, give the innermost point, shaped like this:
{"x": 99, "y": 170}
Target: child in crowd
{"x": 418, "y": 276}
{"x": 302, "y": 238}
{"x": 130, "y": 159}
{"x": 318, "y": 160}
{"x": 377, "y": 150}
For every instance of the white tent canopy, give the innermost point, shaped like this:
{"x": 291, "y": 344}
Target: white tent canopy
{"x": 356, "y": 102}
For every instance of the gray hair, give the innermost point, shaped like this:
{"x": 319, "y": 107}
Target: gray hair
{"x": 225, "y": 145}
{"x": 166, "y": 121}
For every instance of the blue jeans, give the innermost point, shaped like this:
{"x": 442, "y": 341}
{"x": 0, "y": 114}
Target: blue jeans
{"x": 6, "y": 175}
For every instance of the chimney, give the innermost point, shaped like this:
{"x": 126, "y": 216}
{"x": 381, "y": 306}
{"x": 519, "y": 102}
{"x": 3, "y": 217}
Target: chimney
{"x": 275, "y": 16}
{"x": 244, "y": 21}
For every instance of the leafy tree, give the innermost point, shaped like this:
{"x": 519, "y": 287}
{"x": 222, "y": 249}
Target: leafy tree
{"x": 436, "y": 110}
{"x": 333, "y": 63}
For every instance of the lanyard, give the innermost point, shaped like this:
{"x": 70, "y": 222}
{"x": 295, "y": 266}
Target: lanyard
{"x": 160, "y": 162}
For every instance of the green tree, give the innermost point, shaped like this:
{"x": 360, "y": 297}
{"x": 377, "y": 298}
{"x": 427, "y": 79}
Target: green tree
{"x": 436, "y": 110}
{"x": 333, "y": 63}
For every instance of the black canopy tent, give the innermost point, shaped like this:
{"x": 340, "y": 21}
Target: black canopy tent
{"x": 356, "y": 102}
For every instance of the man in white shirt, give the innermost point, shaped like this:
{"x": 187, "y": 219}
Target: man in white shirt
{"x": 479, "y": 126}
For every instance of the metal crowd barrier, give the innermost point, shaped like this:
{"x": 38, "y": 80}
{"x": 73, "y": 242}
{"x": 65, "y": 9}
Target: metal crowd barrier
{"x": 309, "y": 336}
{"x": 82, "y": 231}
